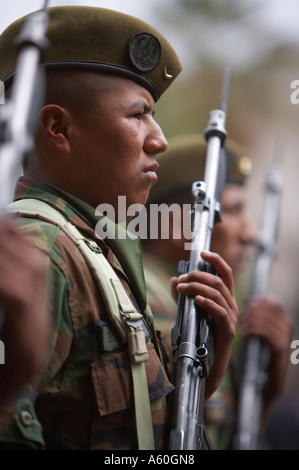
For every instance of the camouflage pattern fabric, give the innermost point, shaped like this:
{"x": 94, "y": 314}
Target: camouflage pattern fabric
{"x": 84, "y": 398}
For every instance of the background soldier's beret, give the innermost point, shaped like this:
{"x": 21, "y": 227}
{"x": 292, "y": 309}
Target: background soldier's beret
{"x": 184, "y": 162}
{"x": 99, "y": 39}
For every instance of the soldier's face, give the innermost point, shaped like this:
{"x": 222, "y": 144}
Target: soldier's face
{"x": 116, "y": 144}
{"x": 233, "y": 236}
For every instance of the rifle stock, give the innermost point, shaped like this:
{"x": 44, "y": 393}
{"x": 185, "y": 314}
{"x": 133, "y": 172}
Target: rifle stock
{"x": 192, "y": 336}
{"x": 256, "y": 353}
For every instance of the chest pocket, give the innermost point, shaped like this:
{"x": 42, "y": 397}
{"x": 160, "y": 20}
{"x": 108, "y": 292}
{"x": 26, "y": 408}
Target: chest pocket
{"x": 119, "y": 396}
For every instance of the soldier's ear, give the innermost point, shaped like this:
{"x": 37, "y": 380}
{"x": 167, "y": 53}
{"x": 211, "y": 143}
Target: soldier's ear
{"x": 53, "y": 127}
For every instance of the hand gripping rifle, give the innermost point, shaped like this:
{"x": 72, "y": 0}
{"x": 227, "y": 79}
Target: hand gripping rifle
{"x": 18, "y": 117}
{"x": 192, "y": 335}
{"x": 256, "y": 353}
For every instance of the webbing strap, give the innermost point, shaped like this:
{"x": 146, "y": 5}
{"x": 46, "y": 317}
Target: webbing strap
{"x": 143, "y": 414}
{"x": 125, "y": 318}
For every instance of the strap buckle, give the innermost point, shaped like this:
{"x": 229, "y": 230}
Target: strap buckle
{"x": 133, "y": 319}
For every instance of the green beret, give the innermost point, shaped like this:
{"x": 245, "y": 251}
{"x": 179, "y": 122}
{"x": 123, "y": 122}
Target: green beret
{"x": 103, "y": 40}
{"x": 184, "y": 162}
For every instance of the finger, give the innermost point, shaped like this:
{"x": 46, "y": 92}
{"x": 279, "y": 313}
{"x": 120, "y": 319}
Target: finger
{"x": 224, "y": 320}
{"x": 197, "y": 289}
{"x": 196, "y": 278}
{"x": 221, "y": 268}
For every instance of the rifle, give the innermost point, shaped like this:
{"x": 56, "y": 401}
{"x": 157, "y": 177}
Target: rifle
{"x": 256, "y": 353}
{"x": 192, "y": 335}
{"x": 18, "y": 117}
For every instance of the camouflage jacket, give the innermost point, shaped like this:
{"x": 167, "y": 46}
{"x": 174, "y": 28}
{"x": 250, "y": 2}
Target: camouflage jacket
{"x": 84, "y": 398}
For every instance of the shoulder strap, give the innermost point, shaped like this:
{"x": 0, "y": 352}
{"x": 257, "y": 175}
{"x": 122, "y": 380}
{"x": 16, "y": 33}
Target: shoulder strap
{"x": 127, "y": 321}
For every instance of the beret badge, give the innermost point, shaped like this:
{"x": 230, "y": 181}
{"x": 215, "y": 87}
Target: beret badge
{"x": 144, "y": 51}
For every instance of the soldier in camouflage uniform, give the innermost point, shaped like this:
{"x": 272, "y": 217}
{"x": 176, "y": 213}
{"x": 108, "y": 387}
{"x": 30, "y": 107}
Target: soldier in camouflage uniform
{"x": 96, "y": 140}
{"x": 180, "y": 166}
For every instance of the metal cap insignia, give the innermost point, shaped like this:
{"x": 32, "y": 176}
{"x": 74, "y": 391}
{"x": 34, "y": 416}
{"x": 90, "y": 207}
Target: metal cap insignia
{"x": 144, "y": 51}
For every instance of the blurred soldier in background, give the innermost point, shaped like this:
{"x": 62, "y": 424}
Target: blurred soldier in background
{"x": 232, "y": 238}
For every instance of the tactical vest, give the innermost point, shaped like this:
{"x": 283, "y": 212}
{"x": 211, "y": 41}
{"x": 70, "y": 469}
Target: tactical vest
{"x": 121, "y": 311}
